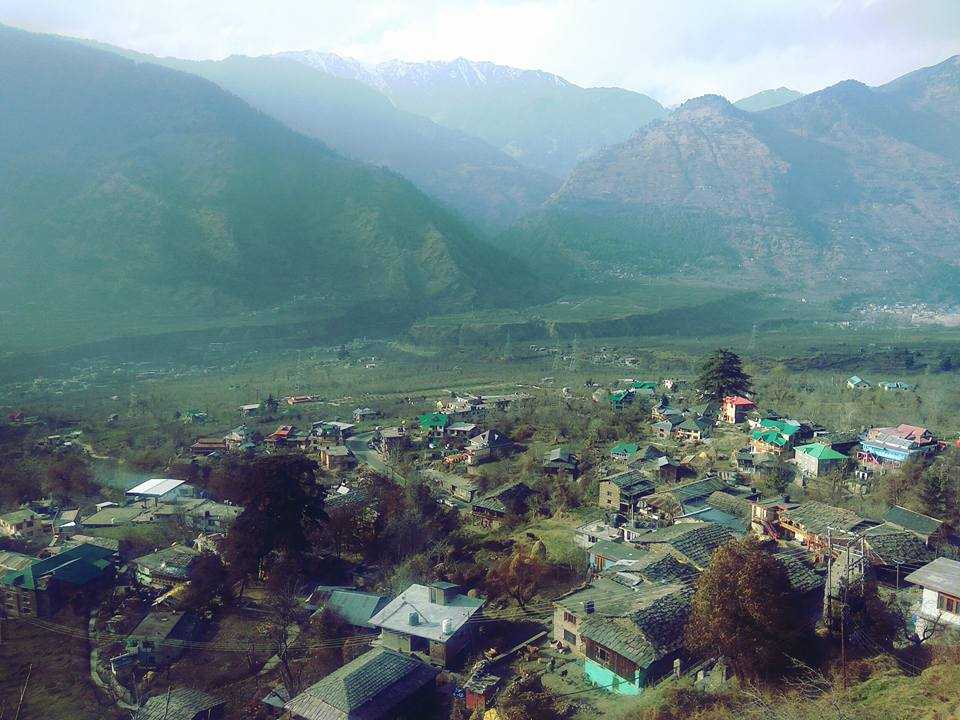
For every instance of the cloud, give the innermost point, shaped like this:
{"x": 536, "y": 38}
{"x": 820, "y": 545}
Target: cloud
{"x": 671, "y": 49}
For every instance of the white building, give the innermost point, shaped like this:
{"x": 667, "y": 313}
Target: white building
{"x": 160, "y": 490}
{"x": 940, "y": 601}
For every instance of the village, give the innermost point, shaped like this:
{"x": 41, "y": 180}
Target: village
{"x": 473, "y": 550}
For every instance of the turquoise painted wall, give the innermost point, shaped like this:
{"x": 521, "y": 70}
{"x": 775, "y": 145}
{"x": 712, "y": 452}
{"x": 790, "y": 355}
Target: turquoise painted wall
{"x": 599, "y": 675}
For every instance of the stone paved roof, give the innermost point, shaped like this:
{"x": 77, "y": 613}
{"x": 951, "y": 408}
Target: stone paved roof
{"x": 898, "y": 547}
{"x": 730, "y": 504}
{"x": 802, "y": 579}
{"x": 367, "y": 687}
{"x": 178, "y": 704}
{"x": 912, "y": 521}
{"x": 694, "y": 541}
{"x": 815, "y": 517}
{"x": 647, "y": 634}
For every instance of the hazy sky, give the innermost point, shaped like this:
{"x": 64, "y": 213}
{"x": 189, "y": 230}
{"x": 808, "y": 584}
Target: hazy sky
{"x": 670, "y": 49}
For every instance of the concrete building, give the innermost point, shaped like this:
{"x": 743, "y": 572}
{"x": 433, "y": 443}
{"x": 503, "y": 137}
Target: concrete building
{"x": 431, "y": 621}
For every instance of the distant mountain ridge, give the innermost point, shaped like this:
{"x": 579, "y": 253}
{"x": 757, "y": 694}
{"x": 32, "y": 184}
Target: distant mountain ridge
{"x": 766, "y": 99}
{"x": 540, "y": 119}
{"x": 387, "y": 75}
{"x": 479, "y": 181}
{"x": 847, "y": 190}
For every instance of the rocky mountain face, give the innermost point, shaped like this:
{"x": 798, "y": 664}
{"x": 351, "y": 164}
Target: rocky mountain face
{"x": 539, "y": 119}
{"x": 850, "y": 189}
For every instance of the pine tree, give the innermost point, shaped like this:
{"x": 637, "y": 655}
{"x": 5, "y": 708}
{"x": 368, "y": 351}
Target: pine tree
{"x": 722, "y": 374}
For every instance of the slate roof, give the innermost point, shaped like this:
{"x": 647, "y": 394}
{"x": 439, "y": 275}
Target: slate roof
{"x": 912, "y": 521}
{"x": 897, "y": 547}
{"x": 10, "y": 560}
{"x": 631, "y": 484}
{"x": 616, "y": 550}
{"x": 395, "y": 616}
{"x": 731, "y": 504}
{"x": 609, "y": 598}
{"x": 694, "y": 541}
{"x": 696, "y": 489}
{"x": 174, "y": 561}
{"x": 815, "y": 517}
{"x": 653, "y": 567}
{"x": 494, "y": 501}
{"x": 647, "y": 634}
{"x": 178, "y": 704}
{"x": 366, "y": 688}
{"x": 15, "y": 517}
{"x": 802, "y": 579}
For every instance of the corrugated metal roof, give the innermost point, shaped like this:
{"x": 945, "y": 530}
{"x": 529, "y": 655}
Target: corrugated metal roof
{"x": 155, "y": 487}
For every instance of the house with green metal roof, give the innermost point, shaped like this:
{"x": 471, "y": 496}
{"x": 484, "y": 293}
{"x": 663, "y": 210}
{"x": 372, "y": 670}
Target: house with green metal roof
{"x": 40, "y": 588}
{"x": 773, "y": 436}
{"x": 373, "y": 686}
{"x": 624, "y": 451}
{"x": 817, "y": 459}
{"x": 434, "y": 423}
{"x": 619, "y": 400}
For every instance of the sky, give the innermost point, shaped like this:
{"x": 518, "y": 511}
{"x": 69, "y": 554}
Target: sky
{"x": 669, "y": 49}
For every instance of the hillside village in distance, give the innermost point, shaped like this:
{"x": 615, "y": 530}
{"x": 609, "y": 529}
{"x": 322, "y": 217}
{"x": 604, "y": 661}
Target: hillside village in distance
{"x": 429, "y": 558}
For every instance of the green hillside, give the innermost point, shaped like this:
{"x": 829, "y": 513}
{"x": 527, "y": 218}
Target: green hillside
{"x": 464, "y": 172}
{"x": 139, "y": 198}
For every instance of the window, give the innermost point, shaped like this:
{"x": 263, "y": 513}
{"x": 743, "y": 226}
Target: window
{"x": 601, "y": 654}
{"x": 569, "y": 617}
{"x": 948, "y": 603}
{"x": 569, "y": 637}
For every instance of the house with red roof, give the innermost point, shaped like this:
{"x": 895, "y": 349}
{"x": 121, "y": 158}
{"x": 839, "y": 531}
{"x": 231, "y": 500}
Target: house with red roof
{"x": 734, "y": 409}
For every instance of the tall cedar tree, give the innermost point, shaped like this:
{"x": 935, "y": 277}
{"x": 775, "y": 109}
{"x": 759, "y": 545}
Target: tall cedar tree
{"x": 721, "y": 374}
{"x": 282, "y": 507}
{"x": 745, "y": 610}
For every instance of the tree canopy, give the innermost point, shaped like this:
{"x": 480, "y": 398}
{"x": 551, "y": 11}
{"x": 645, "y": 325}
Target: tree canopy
{"x": 281, "y": 508}
{"x": 722, "y": 374}
{"x": 744, "y": 609}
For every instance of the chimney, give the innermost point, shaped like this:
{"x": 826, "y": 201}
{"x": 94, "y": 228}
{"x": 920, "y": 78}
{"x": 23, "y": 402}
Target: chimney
{"x": 414, "y": 618}
{"x": 447, "y": 626}
{"x": 588, "y": 607}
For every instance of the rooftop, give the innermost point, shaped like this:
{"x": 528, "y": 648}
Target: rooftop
{"x": 367, "y": 687}
{"x": 817, "y": 517}
{"x": 942, "y": 575}
{"x": 155, "y": 487}
{"x": 412, "y": 613}
{"x": 178, "y": 704}
{"x": 912, "y": 521}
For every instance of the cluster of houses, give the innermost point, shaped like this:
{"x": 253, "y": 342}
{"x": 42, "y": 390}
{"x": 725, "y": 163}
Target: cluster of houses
{"x": 659, "y": 523}
{"x": 661, "y": 527}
